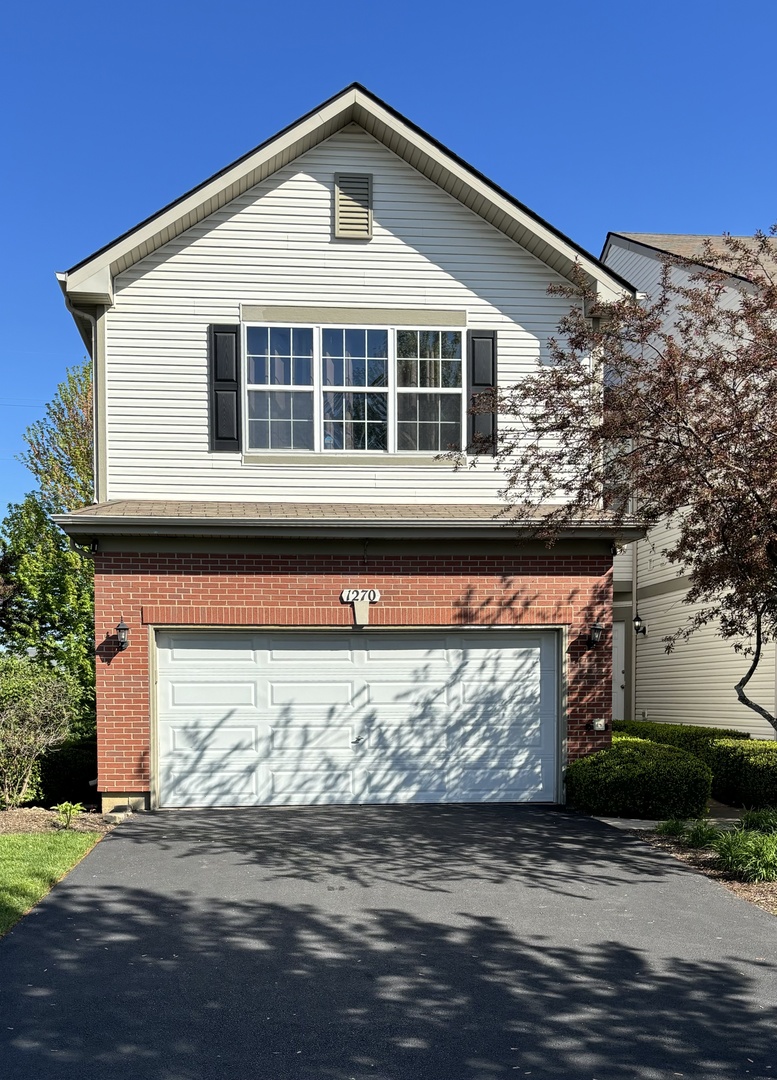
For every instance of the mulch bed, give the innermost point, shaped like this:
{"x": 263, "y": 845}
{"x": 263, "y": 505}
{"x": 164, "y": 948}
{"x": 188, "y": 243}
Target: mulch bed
{"x": 764, "y": 894}
{"x": 36, "y": 820}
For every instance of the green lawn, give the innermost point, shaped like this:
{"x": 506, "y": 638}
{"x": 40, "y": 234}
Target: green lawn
{"x": 30, "y": 863}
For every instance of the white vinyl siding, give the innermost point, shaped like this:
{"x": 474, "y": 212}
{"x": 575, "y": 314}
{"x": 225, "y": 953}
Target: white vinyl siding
{"x": 273, "y": 246}
{"x": 622, "y": 564}
{"x": 694, "y": 684}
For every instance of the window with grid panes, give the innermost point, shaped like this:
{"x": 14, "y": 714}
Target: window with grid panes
{"x": 351, "y": 389}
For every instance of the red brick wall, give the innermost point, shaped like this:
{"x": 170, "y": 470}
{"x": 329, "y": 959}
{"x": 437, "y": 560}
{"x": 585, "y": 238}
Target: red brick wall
{"x": 303, "y": 590}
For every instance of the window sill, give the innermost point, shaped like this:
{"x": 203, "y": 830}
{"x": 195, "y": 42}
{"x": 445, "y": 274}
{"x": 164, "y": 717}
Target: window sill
{"x": 387, "y": 461}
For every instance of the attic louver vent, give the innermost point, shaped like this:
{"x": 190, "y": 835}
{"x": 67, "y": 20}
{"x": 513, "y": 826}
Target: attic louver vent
{"x": 353, "y": 206}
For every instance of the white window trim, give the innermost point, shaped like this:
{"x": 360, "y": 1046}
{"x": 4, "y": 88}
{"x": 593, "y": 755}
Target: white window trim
{"x": 317, "y": 389}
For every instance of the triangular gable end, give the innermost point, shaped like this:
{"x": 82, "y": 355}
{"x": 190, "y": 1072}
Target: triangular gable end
{"x": 90, "y": 282}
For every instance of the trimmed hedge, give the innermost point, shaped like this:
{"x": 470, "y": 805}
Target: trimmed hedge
{"x": 691, "y": 737}
{"x": 641, "y": 780}
{"x": 744, "y": 773}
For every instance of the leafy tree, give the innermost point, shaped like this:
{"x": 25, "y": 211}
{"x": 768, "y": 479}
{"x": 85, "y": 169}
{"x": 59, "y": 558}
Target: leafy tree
{"x": 37, "y": 705}
{"x": 46, "y": 586}
{"x": 671, "y": 403}
{"x": 60, "y": 446}
{"x": 49, "y": 610}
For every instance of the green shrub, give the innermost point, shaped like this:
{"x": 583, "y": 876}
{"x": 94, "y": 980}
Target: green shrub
{"x": 37, "y": 705}
{"x": 642, "y": 780}
{"x": 700, "y": 834}
{"x": 66, "y": 811}
{"x": 691, "y": 737}
{"x": 748, "y": 856}
{"x": 764, "y": 821}
{"x": 621, "y": 737}
{"x": 745, "y": 773}
{"x": 673, "y": 827}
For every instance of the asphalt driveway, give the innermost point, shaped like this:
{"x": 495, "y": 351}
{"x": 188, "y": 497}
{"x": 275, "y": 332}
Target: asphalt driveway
{"x": 433, "y": 943}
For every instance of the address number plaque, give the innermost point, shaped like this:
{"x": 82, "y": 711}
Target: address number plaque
{"x": 353, "y": 596}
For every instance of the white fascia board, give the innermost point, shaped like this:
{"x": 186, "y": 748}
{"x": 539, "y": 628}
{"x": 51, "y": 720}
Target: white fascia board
{"x": 95, "y": 288}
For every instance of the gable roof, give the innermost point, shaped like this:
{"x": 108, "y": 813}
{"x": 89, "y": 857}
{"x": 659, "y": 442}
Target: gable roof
{"x": 689, "y": 246}
{"x": 90, "y": 281}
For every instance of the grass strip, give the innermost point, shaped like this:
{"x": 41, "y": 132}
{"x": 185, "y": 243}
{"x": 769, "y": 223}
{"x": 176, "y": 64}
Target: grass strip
{"x": 30, "y": 864}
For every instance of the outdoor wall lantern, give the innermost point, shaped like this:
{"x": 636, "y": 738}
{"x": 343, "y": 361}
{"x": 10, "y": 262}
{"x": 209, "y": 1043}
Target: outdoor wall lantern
{"x": 595, "y": 632}
{"x": 639, "y": 626}
{"x": 122, "y": 635}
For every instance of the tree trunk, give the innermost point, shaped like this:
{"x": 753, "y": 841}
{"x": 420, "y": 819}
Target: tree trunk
{"x": 740, "y": 686}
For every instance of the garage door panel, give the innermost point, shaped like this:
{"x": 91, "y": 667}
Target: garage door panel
{"x": 230, "y": 787}
{"x": 212, "y": 694}
{"x": 311, "y": 738}
{"x": 407, "y": 694}
{"x": 311, "y": 693}
{"x": 311, "y": 648}
{"x": 200, "y": 738}
{"x": 211, "y": 649}
{"x": 406, "y": 783}
{"x": 396, "y": 651}
{"x": 513, "y": 784}
{"x": 312, "y": 784}
{"x": 418, "y": 717}
{"x": 401, "y": 737}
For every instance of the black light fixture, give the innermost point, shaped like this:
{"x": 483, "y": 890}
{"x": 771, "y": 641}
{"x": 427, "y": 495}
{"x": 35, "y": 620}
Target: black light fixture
{"x": 122, "y": 635}
{"x": 595, "y": 632}
{"x": 639, "y": 626}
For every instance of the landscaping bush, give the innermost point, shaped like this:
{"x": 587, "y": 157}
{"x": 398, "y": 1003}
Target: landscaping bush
{"x": 764, "y": 821}
{"x": 687, "y": 736}
{"x": 745, "y": 773}
{"x": 748, "y": 856}
{"x": 65, "y": 773}
{"x": 700, "y": 834}
{"x": 674, "y": 827}
{"x": 37, "y": 706}
{"x": 642, "y": 780}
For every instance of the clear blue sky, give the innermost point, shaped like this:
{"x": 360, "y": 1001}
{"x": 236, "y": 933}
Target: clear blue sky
{"x": 655, "y": 117}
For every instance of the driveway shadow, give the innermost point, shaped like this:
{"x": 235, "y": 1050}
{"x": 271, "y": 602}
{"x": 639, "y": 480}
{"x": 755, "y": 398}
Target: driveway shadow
{"x": 391, "y": 943}
{"x": 425, "y": 847}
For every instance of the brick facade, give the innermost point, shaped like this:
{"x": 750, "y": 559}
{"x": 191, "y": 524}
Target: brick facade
{"x": 166, "y": 589}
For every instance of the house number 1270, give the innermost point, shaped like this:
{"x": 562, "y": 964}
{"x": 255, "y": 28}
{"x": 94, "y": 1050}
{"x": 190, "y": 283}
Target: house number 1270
{"x": 351, "y": 596}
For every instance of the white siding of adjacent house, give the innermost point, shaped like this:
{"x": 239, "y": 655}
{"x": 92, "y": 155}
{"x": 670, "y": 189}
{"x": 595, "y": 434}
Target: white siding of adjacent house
{"x": 637, "y": 267}
{"x": 274, "y": 245}
{"x": 622, "y": 565}
{"x": 693, "y": 684}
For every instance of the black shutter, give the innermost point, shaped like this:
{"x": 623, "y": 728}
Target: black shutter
{"x": 224, "y": 387}
{"x": 481, "y": 353}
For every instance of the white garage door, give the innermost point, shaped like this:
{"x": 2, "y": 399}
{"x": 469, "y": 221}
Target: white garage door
{"x": 279, "y": 718}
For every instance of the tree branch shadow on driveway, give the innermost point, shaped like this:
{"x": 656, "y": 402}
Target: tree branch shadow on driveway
{"x": 425, "y": 847}
{"x": 139, "y": 985}
{"x": 539, "y": 957}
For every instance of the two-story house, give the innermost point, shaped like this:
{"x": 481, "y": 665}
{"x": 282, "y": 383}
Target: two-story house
{"x": 297, "y": 599}
{"x": 694, "y": 684}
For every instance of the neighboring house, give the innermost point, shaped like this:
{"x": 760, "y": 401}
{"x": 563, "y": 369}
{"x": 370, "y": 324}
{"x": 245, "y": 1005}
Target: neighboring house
{"x": 694, "y": 684}
{"x": 280, "y": 357}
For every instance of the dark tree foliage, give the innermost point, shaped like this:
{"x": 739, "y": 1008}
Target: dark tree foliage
{"x": 667, "y": 409}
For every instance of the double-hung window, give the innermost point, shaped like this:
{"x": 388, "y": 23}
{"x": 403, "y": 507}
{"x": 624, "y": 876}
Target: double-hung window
{"x": 336, "y": 389}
